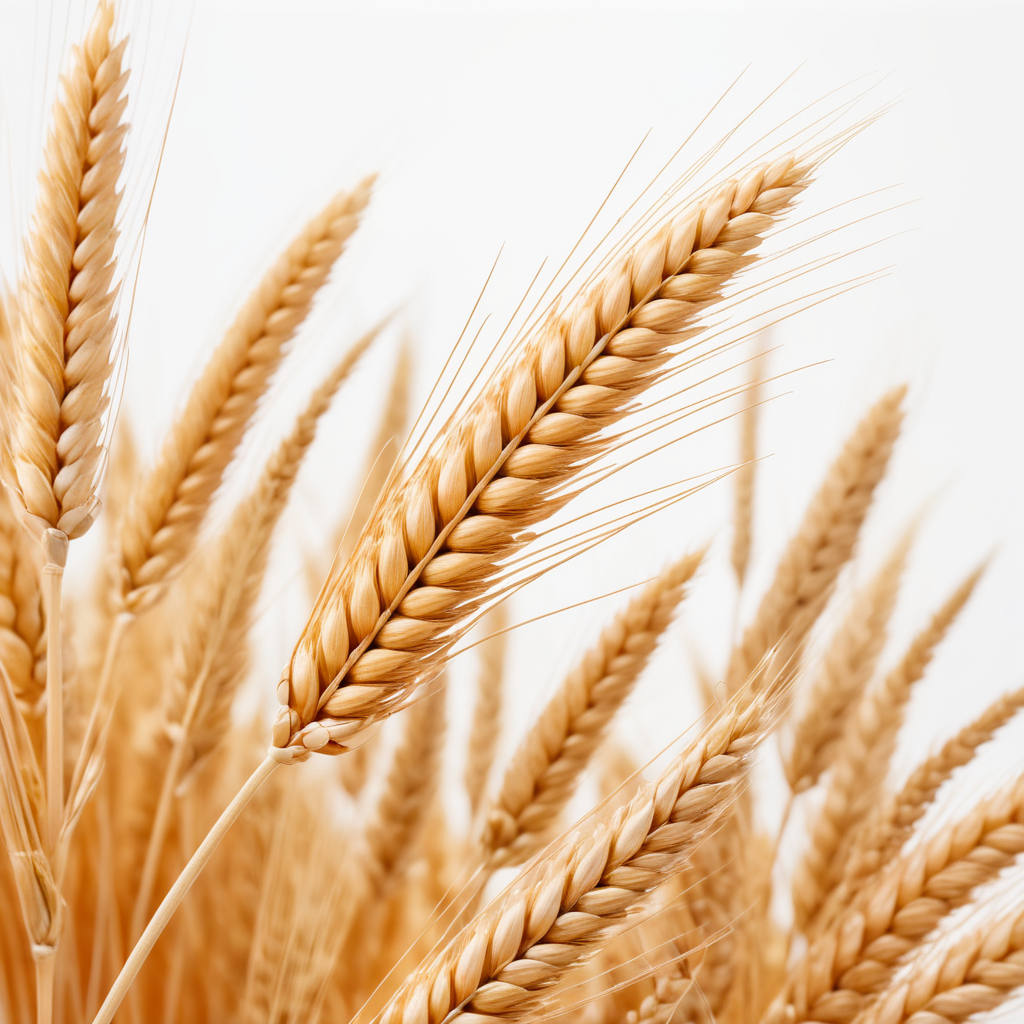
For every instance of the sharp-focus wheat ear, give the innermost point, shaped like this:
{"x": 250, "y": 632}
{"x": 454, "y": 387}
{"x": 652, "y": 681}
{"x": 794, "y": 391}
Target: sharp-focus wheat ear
{"x": 892, "y": 820}
{"x": 845, "y": 670}
{"x": 745, "y": 475}
{"x": 487, "y": 709}
{"x": 975, "y": 974}
{"x": 397, "y": 822}
{"x": 171, "y": 500}
{"x": 862, "y": 761}
{"x": 545, "y": 769}
{"x": 858, "y": 955}
{"x": 823, "y": 545}
{"x": 586, "y": 886}
{"x": 67, "y": 322}
{"x": 437, "y": 540}
{"x": 22, "y": 636}
{"x": 216, "y": 612}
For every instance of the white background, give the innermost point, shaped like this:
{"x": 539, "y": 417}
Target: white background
{"x": 498, "y": 124}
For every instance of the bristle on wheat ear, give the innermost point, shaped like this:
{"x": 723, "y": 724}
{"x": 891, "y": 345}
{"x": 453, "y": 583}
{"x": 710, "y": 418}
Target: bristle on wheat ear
{"x": 437, "y": 539}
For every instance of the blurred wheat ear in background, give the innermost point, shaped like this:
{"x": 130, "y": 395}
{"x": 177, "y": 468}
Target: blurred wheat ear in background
{"x": 769, "y": 868}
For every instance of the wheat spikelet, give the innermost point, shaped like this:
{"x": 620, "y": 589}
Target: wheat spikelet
{"x": 486, "y": 726}
{"x": 585, "y": 887}
{"x": 845, "y": 670}
{"x": 66, "y": 321}
{"x": 824, "y": 543}
{"x": 542, "y": 774}
{"x": 171, "y": 500}
{"x": 434, "y": 543}
{"x": 858, "y": 955}
{"x": 862, "y": 761}
{"x": 976, "y": 974}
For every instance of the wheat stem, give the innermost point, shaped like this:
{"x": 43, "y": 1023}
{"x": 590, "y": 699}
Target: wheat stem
{"x": 45, "y": 978}
{"x": 55, "y": 544}
{"x": 184, "y": 882}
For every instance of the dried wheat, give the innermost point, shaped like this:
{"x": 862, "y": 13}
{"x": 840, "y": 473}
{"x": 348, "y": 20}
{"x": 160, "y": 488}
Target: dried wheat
{"x": 435, "y": 541}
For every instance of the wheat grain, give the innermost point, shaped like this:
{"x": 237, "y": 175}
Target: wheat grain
{"x": 543, "y": 772}
{"x": 171, "y": 500}
{"x": 434, "y": 543}
{"x": 824, "y": 543}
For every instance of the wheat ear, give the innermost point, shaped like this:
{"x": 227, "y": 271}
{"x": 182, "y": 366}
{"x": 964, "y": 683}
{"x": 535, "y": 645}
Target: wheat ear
{"x": 66, "y": 320}
{"x": 486, "y": 726}
{"x": 824, "y": 543}
{"x": 892, "y": 821}
{"x": 858, "y": 955}
{"x": 543, "y": 772}
{"x": 437, "y": 540}
{"x": 845, "y": 670}
{"x": 862, "y": 761}
{"x": 585, "y": 887}
{"x": 212, "y": 656}
{"x": 974, "y": 975}
{"x": 171, "y": 500}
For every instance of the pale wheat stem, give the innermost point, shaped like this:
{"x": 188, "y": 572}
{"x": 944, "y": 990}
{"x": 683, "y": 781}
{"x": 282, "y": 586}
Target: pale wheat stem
{"x": 45, "y": 980}
{"x": 56, "y": 548}
{"x": 184, "y": 882}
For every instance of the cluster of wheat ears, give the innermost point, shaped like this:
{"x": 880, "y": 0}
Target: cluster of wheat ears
{"x": 347, "y": 893}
